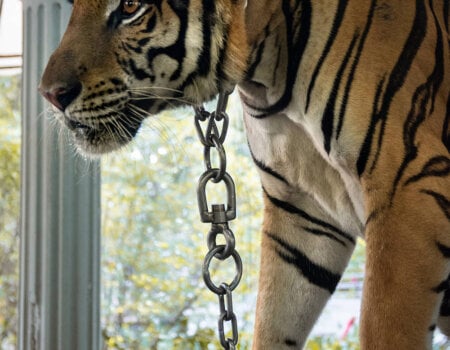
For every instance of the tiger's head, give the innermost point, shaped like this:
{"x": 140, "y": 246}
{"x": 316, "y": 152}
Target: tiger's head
{"x": 121, "y": 60}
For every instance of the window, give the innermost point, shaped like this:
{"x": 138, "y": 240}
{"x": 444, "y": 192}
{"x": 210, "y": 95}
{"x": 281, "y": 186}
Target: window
{"x": 153, "y": 243}
{"x": 9, "y": 207}
{"x": 153, "y": 296}
{"x": 10, "y": 49}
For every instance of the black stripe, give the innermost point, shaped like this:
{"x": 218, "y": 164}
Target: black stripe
{"x": 445, "y": 306}
{"x": 176, "y": 51}
{"x": 421, "y": 100}
{"x": 446, "y": 127}
{"x": 328, "y": 116}
{"x": 118, "y": 82}
{"x": 340, "y": 11}
{"x": 294, "y": 210}
{"x": 432, "y": 328}
{"x": 290, "y": 342}
{"x": 401, "y": 70}
{"x": 139, "y": 73}
{"x": 444, "y": 250}
{"x": 441, "y": 200}
{"x": 297, "y": 38}
{"x": 313, "y": 272}
{"x": 353, "y": 69}
{"x": 123, "y": 63}
{"x": 151, "y": 24}
{"x": 103, "y": 106}
{"x": 144, "y": 41}
{"x": 113, "y": 20}
{"x": 204, "y": 59}
{"x": 364, "y": 153}
{"x": 324, "y": 233}
{"x": 373, "y": 215}
{"x": 135, "y": 49}
{"x": 438, "y": 166}
{"x": 258, "y": 58}
{"x": 443, "y": 286}
{"x": 395, "y": 82}
{"x": 267, "y": 169}
{"x": 277, "y": 63}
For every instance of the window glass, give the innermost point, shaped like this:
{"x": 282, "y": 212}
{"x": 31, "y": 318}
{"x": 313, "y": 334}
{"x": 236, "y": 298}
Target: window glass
{"x": 153, "y": 242}
{"x": 10, "y": 63}
{"x": 9, "y": 208}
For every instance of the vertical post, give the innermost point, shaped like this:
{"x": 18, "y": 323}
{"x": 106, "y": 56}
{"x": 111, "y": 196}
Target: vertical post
{"x": 60, "y": 210}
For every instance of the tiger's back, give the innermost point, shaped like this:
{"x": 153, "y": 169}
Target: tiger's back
{"x": 346, "y": 107}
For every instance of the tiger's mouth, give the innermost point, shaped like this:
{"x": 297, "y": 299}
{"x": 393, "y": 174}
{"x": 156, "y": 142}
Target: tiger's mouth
{"x": 103, "y": 134}
{"x": 102, "y": 123}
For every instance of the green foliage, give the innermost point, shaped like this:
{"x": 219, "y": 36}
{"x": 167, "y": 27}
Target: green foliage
{"x": 9, "y": 207}
{"x": 154, "y": 244}
{"x": 331, "y": 342}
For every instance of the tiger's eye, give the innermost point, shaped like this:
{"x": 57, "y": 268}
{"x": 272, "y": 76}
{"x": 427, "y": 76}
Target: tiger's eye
{"x": 130, "y": 6}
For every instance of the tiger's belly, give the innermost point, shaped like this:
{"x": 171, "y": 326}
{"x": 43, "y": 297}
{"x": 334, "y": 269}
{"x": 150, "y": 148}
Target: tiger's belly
{"x": 292, "y": 168}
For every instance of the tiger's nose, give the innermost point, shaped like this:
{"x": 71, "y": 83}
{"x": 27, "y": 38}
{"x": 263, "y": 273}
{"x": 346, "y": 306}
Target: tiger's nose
{"x": 62, "y": 96}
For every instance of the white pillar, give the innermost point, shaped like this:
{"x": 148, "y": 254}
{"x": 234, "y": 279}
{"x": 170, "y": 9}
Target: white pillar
{"x": 60, "y": 214}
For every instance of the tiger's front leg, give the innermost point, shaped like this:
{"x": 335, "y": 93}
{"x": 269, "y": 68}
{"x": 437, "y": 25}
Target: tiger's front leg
{"x": 303, "y": 258}
{"x": 408, "y": 256}
{"x": 309, "y": 232}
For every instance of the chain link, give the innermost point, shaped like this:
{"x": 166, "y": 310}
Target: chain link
{"x": 212, "y": 137}
{"x": 227, "y": 315}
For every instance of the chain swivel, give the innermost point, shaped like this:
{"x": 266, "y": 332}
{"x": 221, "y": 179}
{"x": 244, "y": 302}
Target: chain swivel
{"x": 230, "y": 242}
{"x": 219, "y": 215}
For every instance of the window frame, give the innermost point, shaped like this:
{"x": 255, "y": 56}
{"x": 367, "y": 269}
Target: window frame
{"x": 60, "y": 209}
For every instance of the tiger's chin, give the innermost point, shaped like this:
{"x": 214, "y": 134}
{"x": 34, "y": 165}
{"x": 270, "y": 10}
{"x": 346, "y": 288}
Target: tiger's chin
{"x": 98, "y": 143}
{"x": 94, "y": 140}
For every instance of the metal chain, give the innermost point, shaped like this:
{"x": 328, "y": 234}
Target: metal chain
{"x": 213, "y": 138}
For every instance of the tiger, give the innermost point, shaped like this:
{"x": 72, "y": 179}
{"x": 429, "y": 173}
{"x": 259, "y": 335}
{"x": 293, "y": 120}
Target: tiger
{"x": 347, "y": 114}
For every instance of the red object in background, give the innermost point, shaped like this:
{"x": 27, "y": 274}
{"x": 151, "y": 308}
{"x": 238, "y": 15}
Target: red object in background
{"x": 350, "y": 324}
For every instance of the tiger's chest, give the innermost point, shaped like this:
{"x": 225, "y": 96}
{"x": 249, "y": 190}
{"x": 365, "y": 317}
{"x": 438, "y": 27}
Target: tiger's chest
{"x": 305, "y": 126}
{"x": 294, "y": 167}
